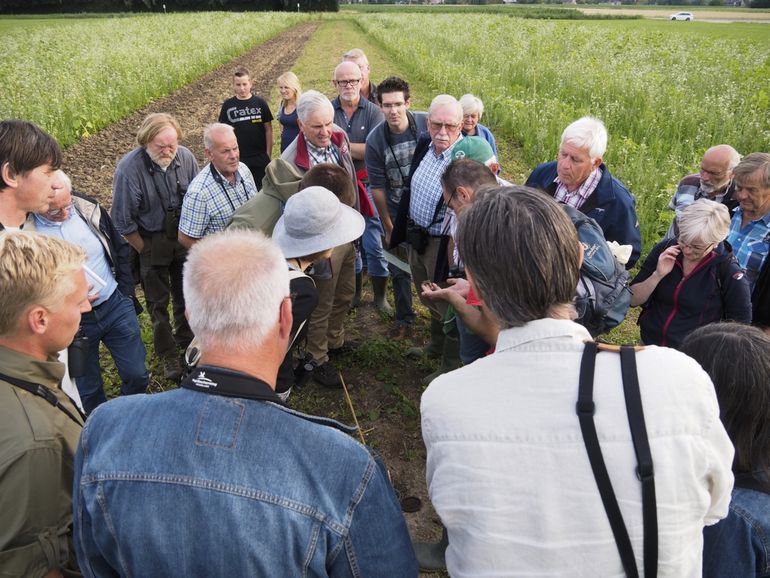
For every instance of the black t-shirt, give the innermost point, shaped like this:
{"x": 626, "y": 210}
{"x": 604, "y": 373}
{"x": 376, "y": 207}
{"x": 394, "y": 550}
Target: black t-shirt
{"x": 248, "y": 118}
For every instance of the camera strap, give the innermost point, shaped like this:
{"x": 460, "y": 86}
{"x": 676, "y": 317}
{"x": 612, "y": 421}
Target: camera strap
{"x": 48, "y": 395}
{"x": 220, "y": 181}
{"x": 585, "y": 409}
{"x": 229, "y": 383}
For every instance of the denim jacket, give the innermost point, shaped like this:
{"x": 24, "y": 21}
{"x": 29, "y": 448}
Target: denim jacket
{"x": 739, "y": 545}
{"x": 185, "y": 483}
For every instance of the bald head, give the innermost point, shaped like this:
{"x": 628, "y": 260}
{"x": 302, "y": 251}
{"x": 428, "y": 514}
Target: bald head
{"x": 347, "y": 80}
{"x": 716, "y": 168}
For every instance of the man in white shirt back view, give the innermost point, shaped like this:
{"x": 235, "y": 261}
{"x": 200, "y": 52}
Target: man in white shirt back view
{"x": 507, "y": 467}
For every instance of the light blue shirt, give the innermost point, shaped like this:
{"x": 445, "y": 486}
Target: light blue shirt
{"x": 427, "y": 190}
{"x": 750, "y": 244}
{"x": 76, "y": 231}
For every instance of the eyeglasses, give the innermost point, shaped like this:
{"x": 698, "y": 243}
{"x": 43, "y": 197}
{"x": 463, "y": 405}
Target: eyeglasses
{"x": 695, "y": 248}
{"x": 449, "y": 126}
{"x": 351, "y": 82}
{"x": 389, "y": 105}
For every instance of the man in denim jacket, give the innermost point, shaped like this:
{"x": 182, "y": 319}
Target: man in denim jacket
{"x": 224, "y": 480}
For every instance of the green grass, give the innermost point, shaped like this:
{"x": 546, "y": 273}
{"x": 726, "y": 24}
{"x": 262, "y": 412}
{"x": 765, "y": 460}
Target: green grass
{"x": 555, "y": 12}
{"x": 102, "y": 69}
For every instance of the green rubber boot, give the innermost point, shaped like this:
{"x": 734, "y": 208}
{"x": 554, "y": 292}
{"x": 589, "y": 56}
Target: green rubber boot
{"x": 359, "y": 285}
{"x": 380, "y": 284}
{"x": 435, "y": 346}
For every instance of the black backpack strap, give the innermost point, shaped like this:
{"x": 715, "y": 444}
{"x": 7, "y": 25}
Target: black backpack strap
{"x": 42, "y": 391}
{"x": 644, "y": 471}
{"x": 585, "y": 411}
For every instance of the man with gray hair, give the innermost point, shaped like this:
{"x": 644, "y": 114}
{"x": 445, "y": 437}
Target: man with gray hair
{"x": 421, "y": 212}
{"x": 580, "y": 179}
{"x": 367, "y": 88}
{"x": 218, "y": 190}
{"x": 147, "y": 191}
{"x": 507, "y": 469}
{"x": 714, "y": 181}
{"x": 292, "y": 493}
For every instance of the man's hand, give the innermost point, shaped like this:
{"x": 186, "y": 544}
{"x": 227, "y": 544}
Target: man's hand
{"x": 135, "y": 240}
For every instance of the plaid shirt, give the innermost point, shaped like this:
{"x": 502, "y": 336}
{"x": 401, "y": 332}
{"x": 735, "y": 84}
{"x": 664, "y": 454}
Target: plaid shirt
{"x": 427, "y": 191}
{"x": 210, "y": 202}
{"x": 750, "y": 244}
{"x": 578, "y": 197}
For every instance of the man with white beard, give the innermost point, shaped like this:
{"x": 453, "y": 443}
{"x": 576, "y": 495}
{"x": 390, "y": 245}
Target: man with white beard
{"x": 714, "y": 181}
{"x": 147, "y": 192}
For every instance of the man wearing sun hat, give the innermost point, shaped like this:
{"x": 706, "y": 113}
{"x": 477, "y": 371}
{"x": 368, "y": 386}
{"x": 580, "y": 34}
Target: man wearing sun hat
{"x": 222, "y": 457}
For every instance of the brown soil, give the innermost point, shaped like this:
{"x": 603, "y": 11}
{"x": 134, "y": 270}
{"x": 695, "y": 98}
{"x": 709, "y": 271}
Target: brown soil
{"x": 385, "y": 388}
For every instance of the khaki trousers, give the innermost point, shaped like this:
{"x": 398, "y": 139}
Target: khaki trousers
{"x": 423, "y": 267}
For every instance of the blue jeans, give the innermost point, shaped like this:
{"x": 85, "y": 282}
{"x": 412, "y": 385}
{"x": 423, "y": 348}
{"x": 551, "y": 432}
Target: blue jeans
{"x": 371, "y": 244}
{"x": 402, "y": 291}
{"x": 114, "y": 322}
{"x": 472, "y": 347}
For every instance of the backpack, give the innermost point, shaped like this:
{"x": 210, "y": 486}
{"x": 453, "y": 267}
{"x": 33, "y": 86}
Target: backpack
{"x": 602, "y": 298}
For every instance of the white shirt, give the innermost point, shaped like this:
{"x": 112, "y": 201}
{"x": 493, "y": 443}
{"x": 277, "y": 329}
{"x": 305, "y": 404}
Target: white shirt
{"x": 509, "y": 475}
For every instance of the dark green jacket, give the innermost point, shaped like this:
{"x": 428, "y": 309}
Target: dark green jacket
{"x": 37, "y": 452}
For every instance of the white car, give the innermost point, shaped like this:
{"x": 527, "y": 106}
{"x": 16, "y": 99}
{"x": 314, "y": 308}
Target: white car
{"x": 682, "y": 16}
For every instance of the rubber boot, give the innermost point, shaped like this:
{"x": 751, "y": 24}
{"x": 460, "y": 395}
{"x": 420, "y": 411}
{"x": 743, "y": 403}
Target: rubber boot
{"x": 380, "y": 284}
{"x": 435, "y": 346}
{"x": 359, "y": 285}
{"x": 450, "y": 359}
{"x": 432, "y": 557}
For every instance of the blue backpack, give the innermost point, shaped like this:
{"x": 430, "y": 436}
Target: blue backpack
{"x": 602, "y": 297}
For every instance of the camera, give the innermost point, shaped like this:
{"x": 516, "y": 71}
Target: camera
{"x": 171, "y": 222}
{"x": 417, "y": 237}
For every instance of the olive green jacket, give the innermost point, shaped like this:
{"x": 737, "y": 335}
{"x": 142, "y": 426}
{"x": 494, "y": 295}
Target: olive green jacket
{"x": 37, "y": 453}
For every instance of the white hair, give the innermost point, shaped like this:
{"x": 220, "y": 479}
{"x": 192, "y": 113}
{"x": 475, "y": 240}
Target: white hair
{"x": 234, "y": 282}
{"x": 471, "y": 104}
{"x": 311, "y": 102}
{"x": 64, "y": 177}
{"x": 704, "y": 222}
{"x": 447, "y": 100}
{"x": 355, "y": 54}
{"x": 587, "y": 133}
{"x": 210, "y": 130}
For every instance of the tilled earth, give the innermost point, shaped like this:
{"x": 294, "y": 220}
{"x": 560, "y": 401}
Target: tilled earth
{"x": 384, "y": 387}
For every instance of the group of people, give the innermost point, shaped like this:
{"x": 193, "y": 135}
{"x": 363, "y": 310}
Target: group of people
{"x": 259, "y": 257}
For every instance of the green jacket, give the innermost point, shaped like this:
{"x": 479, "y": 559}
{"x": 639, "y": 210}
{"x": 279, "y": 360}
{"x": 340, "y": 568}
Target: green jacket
{"x": 262, "y": 211}
{"x": 37, "y": 453}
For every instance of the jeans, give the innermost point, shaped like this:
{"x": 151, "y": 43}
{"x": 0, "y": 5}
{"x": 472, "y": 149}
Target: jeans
{"x": 371, "y": 244}
{"x": 114, "y": 322}
{"x": 402, "y": 291}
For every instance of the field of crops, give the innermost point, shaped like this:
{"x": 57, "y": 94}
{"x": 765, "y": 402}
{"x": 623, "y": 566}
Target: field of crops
{"x": 666, "y": 92}
{"x": 75, "y": 76}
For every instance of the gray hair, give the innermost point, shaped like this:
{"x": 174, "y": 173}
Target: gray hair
{"x": 234, "y": 282}
{"x": 212, "y": 129}
{"x": 537, "y": 273}
{"x": 587, "y": 133}
{"x": 65, "y": 179}
{"x": 751, "y": 164}
{"x": 704, "y": 222}
{"x": 472, "y": 104}
{"x": 311, "y": 102}
{"x": 355, "y": 54}
{"x": 447, "y": 100}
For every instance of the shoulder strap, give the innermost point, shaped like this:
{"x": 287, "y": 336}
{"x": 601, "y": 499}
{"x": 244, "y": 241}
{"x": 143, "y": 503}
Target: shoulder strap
{"x": 42, "y": 391}
{"x": 585, "y": 411}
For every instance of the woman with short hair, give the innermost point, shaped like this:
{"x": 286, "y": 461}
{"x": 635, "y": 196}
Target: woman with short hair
{"x": 737, "y": 358}
{"x": 473, "y": 109}
{"x": 692, "y": 280}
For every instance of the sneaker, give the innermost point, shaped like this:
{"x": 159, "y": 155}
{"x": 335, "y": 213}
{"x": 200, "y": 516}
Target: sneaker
{"x": 172, "y": 369}
{"x": 327, "y": 375}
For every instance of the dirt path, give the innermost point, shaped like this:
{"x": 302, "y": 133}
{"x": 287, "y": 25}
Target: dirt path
{"x": 91, "y": 162}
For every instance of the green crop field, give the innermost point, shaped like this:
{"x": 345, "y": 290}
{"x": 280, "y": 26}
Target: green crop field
{"x": 666, "y": 93}
{"x": 74, "y": 76}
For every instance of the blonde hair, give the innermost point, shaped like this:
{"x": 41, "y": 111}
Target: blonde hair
{"x": 290, "y": 79}
{"x": 154, "y": 124}
{"x": 34, "y": 270}
{"x": 705, "y": 222}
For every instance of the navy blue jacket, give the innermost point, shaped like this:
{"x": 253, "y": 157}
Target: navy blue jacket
{"x": 611, "y": 205}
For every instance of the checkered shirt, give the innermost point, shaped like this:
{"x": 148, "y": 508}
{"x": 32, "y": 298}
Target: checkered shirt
{"x": 427, "y": 192}
{"x": 209, "y": 205}
{"x": 578, "y": 197}
{"x": 750, "y": 244}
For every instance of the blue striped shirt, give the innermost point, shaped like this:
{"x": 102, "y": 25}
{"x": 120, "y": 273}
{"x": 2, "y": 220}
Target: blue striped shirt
{"x": 210, "y": 202}
{"x": 750, "y": 244}
{"x": 427, "y": 192}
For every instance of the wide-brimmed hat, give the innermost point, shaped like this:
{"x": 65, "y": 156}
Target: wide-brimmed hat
{"x": 314, "y": 220}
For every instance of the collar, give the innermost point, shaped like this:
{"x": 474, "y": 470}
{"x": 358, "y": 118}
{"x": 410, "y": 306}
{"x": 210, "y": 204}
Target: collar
{"x": 568, "y": 332}
{"x": 765, "y": 219}
{"x": 40, "y": 219}
{"x": 337, "y": 103}
{"x": 220, "y": 178}
{"x": 30, "y": 217}
{"x": 302, "y": 158}
{"x": 28, "y": 368}
{"x": 229, "y": 383}
{"x": 447, "y": 152}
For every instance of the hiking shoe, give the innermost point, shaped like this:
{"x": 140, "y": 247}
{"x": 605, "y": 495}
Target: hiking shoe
{"x": 327, "y": 375}
{"x": 348, "y": 346}
{"x": 172, "y": 369}
{"x": 400, "y": 331}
